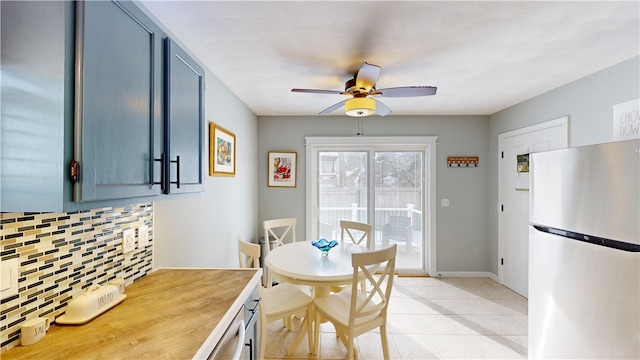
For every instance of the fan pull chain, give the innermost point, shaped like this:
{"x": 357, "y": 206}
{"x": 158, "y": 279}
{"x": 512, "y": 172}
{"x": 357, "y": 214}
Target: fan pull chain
{"x": 360, "y": 128}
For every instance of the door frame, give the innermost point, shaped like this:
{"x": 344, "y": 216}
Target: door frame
{"x": 563, "y": 124}
{"x": 313, "y": 143}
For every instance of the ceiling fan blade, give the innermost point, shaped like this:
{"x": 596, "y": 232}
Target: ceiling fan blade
{"x": 367, "y": 77}
{"x": 333, "y": 107}
{"x": 406, "y": 91}
{"x": 318, "y": 91}
{"x": 382, "y": 109}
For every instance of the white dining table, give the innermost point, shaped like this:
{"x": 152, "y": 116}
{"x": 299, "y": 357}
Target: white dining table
{"x": 302, "y": 263}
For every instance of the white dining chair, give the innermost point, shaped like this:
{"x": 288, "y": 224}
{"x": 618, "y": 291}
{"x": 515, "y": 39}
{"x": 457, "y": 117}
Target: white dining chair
{"x": 359, "y": 234}
{"x": 279, "y": 302}
{"x": 248, "y": 254}
{"x": 282, "y": 231}
{"x": 354, "y": 313}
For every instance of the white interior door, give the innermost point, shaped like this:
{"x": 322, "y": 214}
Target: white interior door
{"x": 513, "y": 183}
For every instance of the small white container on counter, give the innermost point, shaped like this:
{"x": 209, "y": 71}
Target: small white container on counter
{"x": 33, "y": 330}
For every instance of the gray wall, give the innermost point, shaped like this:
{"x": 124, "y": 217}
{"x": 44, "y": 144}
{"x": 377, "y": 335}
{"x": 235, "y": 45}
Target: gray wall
{"x": 462, "y": 228}
{"x": 589, "y": 104}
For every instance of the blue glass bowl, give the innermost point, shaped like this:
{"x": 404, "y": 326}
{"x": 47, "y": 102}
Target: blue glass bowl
{"x": 324, "y": 245}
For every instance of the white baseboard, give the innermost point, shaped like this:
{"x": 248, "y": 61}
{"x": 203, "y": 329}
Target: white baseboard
{"x": 484, "y": 274}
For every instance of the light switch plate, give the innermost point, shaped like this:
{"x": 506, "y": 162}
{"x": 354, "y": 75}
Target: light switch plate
{"x": 128, "y": 240}
{"x": 143, "y": 236}
{"x": 445, "y": 202}
{"x": 9, "y": 278}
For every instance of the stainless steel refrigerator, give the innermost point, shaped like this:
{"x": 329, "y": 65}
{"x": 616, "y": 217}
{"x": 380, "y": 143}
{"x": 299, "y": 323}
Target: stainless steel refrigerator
{"x": 584, "y": 252}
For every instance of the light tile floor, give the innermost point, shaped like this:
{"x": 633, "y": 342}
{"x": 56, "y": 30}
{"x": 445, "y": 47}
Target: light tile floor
{"x": 430, "y": 318}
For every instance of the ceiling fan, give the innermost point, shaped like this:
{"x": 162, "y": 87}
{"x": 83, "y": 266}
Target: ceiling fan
{"x": 362, "y": 89}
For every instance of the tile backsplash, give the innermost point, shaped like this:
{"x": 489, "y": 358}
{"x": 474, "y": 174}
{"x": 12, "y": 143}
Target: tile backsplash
{"x": 61, "y": 254}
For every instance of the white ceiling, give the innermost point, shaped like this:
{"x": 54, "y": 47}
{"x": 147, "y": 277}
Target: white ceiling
{"x": 483, "y": 56}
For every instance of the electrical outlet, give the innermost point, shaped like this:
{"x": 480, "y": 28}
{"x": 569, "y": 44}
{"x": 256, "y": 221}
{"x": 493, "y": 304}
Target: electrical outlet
{"x": 9, "y": 277}
{"x": 128, "y": 240}
{"x": 143, "y": 236}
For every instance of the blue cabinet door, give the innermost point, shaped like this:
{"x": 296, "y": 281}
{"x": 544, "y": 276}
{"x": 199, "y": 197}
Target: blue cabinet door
{"x": 34, "y": 72}
{"x": 184, "y": 121}
{"x": 118, "y": 101}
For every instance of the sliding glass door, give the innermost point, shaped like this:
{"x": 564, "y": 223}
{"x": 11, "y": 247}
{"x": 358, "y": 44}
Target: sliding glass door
{"x": 398, "y": 204}
{"x": 385, "y": 185}
{"x": 343, "y": 191}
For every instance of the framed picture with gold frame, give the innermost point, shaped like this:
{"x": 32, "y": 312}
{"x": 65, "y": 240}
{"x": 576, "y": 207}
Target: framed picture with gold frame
{"x": 282, "y": 169}
{"x": 222, "y": 151}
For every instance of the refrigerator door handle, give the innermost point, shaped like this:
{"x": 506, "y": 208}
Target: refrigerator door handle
{"x": 596, "y": 240}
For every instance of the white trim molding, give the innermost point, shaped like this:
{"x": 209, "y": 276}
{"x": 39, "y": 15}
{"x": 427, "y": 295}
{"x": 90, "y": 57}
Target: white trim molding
{"x": 467, "y": 274}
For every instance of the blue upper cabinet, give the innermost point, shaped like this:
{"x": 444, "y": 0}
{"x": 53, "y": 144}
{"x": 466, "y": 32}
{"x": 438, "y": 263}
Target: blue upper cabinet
{"x": 95, "y": 83}
{"x": 34, "y": 139}
{"x": 118, "y": 117}
{"x": 184, "y": 121}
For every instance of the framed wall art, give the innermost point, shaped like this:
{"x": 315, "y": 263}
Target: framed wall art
{"x": 523, "y": 163}
{"x": 282, "y": 169}
{"x": 222, "y": 151}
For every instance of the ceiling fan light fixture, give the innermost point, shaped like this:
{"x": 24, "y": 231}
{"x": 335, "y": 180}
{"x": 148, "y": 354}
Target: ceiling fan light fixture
{"x": 359, "y": 107}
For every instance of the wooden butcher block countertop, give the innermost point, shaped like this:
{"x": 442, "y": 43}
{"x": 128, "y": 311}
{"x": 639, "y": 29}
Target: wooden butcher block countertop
{"x": 168, "y": 314}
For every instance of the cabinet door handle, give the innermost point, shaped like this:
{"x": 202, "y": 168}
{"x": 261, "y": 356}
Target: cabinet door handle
{"x": 257, "y": 301}
{"x": 163, "y": 180}
{"x": 240, "y": 345}
{"x": 177, "y": 162}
